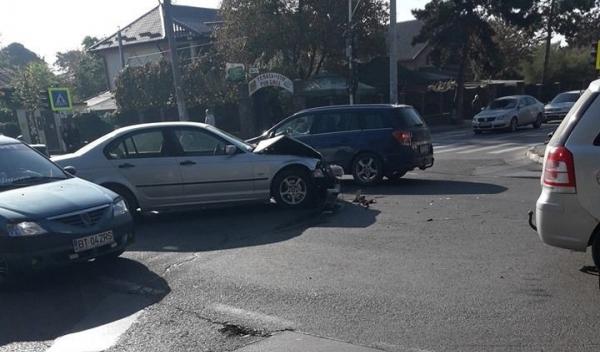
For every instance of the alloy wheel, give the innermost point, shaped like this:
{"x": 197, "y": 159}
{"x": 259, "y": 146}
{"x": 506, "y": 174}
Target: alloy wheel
{"x": 293, "y": 190}
{"x": 367, "y": 169}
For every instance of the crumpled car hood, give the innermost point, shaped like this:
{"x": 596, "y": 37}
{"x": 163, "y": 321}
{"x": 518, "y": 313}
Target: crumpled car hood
{"x": 284, "y": 145}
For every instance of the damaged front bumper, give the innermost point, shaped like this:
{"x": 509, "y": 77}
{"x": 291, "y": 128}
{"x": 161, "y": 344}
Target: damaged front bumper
{"x": 327, "y": 179}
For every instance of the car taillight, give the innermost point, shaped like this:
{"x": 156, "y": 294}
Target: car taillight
{"x": 559, "y": 170}
{"x": 403, "y": 137}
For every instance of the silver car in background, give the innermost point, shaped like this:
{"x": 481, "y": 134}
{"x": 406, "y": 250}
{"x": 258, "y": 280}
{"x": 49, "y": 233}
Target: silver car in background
{"x": 559, "y": 107}
{"x": 161, "y": 166}
{"x": 508, "y": 113}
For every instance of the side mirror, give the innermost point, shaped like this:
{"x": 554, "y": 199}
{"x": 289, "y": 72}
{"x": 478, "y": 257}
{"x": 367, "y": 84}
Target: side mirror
{"x": 230, "y": 149}
{"x": 70, "y": 170}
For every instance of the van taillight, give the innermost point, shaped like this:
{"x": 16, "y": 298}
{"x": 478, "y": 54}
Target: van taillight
{"x": 403, "y": 137}
{"x": 559, "y": 170}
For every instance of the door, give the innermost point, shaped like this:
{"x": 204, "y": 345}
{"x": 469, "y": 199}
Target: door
{"x": 146, "y": 160}
{"x": 209, "y": 174}
{"x": 336, "y": 134}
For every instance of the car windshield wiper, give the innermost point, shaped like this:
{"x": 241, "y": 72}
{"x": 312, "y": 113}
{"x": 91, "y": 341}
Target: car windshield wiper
{"x": 36, "y": 179}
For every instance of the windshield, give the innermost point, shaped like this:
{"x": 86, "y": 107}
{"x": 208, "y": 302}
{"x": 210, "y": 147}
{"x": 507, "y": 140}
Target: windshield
{"x": 21, "y": 166}
{"x": 566, "y": 98}
{"x": 503, "y": 104}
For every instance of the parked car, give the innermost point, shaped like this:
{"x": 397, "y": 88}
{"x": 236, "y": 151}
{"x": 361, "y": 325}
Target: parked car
{"x": 508, "y": 113}
{"x": 367, "y": 141}
{"x": 568, "y": 209}
{"x": 558, "y": 108}
{"x": 164, "y": 166}
{"x": 49, "y": 217}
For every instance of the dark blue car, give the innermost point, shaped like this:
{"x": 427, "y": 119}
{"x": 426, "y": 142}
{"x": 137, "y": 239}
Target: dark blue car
{"x": 368, "y": 141}
{"x": 48, "y": 217}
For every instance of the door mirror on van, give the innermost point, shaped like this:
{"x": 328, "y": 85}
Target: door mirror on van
{"x": 70, "y": 170}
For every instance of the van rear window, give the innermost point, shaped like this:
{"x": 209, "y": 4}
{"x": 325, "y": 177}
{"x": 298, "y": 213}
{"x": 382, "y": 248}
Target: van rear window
{"x": 407, "y": 118}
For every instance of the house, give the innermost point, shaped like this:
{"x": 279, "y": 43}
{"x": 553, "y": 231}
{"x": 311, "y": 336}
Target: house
{"x": 411, "y": 56}
{"x": 143, "y": 40}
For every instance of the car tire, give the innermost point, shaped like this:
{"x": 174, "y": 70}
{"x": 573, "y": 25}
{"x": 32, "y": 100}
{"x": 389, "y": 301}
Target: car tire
{"x": 367, "y": 169}
{"x": 128, "y": 197}
{"x": 514, "y": 124}
{"x": 596, "y": 250}
{"x": 538, "y": 121}
{"x": 293, "y": 188}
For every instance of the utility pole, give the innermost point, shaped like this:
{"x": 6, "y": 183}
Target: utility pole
{"x": 181, "y": 108}
{"x": 349, "y": 40}
{"x": 393, "y": 38}
{"x": 121, "y": 55}
{"x": 549, "y": 26}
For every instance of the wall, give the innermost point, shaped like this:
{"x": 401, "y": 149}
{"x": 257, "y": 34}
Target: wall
{"x": 135, "y": 55}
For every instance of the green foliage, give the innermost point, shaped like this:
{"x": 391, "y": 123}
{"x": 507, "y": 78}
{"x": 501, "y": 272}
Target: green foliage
{"x": 83, "y": 70}
{"x": 145, "y": 87}
{"x": 299, "y": 38}
{"x": 16, "y": 55}
{"x": 30, "y": 82}
{"x": 91, "y": 126}
{"x": 204, "y": 84}
{"x": 569, "y": 66}
{"x": 515, "y": 45}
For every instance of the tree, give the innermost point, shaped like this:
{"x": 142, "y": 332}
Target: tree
{"x": 515, "y": 45}
{"x": 569, "y": 65}
{"x": 83, "y": 70}
{"x": 561, "y": 16}
{"x": 204, "y": 83}
{"x": 30, "y": 82}
{"x": 299, "y": 38}
{"x": 459, "y": 31}
{"x": 16, "y": 55}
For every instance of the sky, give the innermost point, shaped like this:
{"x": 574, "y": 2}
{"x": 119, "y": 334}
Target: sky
{"x": 50, "y": 26}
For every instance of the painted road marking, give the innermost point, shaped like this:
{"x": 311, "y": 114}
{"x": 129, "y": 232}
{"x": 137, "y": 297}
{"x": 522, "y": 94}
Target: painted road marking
{"x": 507, "y": 150}
{"x": 485, "y": 148}
{"x": 455, "y": 149}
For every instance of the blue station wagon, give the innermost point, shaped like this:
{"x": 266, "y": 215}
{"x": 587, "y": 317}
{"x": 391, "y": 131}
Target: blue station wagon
{"x": 368, "y": 141}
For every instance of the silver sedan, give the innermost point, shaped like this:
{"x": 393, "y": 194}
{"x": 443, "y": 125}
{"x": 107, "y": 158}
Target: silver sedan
{"x": 162, "y": 166}
{"x": 509, "y": 113}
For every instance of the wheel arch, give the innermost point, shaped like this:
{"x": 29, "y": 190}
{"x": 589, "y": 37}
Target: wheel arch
{"x": 116, "y": 187}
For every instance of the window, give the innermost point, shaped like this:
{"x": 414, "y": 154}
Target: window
{"x": 195, "y": 142}
{"x": 374, "y": 120}
{"x": 407, "y": 118}
{"x": 335, "y": 122}
{"x": 523, "y": 102}
{"x": 141, "y": 145}
{"x": 299, "y": 126}
{"x": 531, "y": 101}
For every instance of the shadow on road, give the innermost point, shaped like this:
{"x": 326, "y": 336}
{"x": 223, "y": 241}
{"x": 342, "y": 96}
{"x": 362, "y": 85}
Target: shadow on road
{"x": 243, "y": 226}
{"x": 45, "y": 306}
{"x": 410, "y": 186}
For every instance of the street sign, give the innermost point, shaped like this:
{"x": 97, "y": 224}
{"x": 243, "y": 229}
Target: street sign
{"x": 60, "y": 99}
{"x": 270, "y": 80}
{"x": 235, "y": 72}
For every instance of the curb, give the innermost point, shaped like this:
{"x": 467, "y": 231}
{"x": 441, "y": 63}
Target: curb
{"x": 535, "y": 157}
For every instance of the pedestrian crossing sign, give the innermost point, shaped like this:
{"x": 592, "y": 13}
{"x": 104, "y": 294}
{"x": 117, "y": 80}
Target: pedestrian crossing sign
{"x": 60, "y": 99}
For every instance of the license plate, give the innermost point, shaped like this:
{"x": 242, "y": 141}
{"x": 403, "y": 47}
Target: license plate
{"x": 485, "y": 125}
{"x": 94, "y": 241}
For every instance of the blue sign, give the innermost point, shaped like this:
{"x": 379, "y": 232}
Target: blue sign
{"x": 60, "y": 99}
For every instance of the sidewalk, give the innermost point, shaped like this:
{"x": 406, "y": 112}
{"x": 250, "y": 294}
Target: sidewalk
{"x": 536, "y": 153}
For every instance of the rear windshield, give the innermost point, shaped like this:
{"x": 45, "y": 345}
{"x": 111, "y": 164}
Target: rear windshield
{"x": 407, "y": 118}
{"x": 565, "y": 98}
{"x": 561, "y": 134}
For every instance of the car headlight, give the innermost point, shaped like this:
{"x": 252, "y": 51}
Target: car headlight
{"x": 120, "y": 208}
{"x": 25, "y": 228}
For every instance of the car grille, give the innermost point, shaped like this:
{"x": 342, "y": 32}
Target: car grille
{"x": 85, "y": 218}
{"x": 486, "y": 119}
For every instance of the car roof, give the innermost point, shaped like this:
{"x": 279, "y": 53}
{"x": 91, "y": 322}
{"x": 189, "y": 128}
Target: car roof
{"x": 595, "y": 86}
{"x": 513, "y": 97}
{"x": 8, "y": 140}
{"x": 142, "y": 126}
{"x": 354, "y": 107}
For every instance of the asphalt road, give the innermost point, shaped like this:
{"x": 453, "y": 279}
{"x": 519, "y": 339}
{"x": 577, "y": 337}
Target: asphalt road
{"x": 443, "y": 261}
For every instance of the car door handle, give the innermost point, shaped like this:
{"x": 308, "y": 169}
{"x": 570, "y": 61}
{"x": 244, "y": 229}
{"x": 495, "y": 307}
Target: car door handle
{"x": 126, "y": 166}
{"x": 187, "y": 163}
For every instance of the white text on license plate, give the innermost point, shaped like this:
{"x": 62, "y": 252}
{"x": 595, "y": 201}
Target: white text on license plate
{"x": 94, "y": 241}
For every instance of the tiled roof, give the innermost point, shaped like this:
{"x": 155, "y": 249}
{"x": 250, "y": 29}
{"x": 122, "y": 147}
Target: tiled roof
{"x": 149, "y": 27}
{"x": 406, "y": 32}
